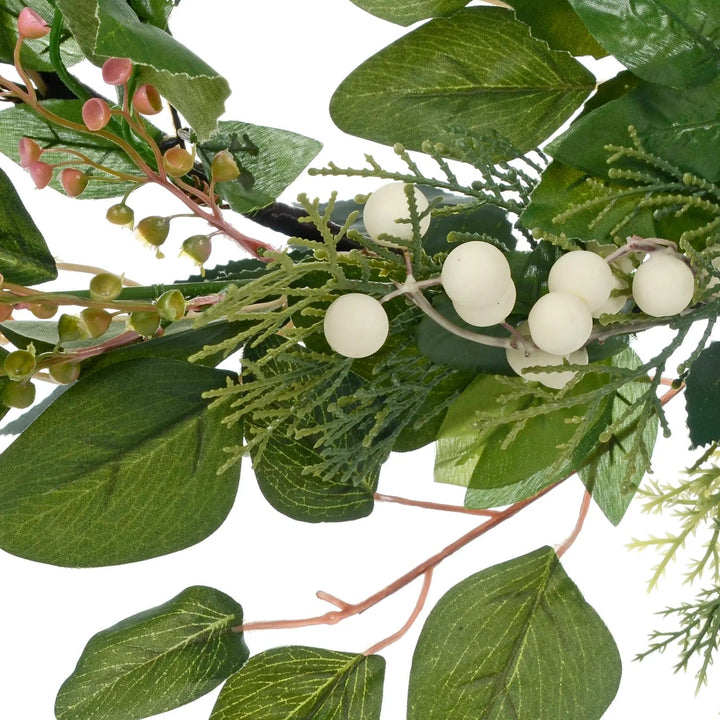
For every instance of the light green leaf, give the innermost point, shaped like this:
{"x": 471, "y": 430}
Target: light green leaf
{"x": 269, "y": 158}
{"x": 24, "y": 256}
{"x": 290, "y": 683}
{"x": 121, "y": 467}
{"x": 517, "y": 640}
{"x": 109, "y": 28}
{"x": 156, "y": 660}
{"x": 478, "y": 70}
{"x": 407, "y": 12}
{"x": 671, "y": 42}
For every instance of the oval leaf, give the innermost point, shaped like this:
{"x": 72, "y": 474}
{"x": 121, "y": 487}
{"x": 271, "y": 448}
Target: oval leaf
{"x": 407, "y": 12}
{"x": 517, "y": 640}
{"x": 478, "y": 70}
{"x": 121, "y": 467}
{"x": 289, "y": 683}
{"x": 156, "y": 660}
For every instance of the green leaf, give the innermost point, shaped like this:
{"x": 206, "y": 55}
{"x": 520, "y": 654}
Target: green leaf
{"x": 517, "y": 640}
{"x": 290, "y": 683}
{"x": 155, "y": 12}
{"x": 702, "y": 396}
{"x": 110, "y": 28}
{"x": 557, "y": 23}
{"x": 682, "y": 127}
{"x": 24, "y": 256}
{"x": 34, "y": 54}
{"x": 269, "y": 159}
{"x": 671, "y": 42}
{"x": 478, "y": 70}
{"x": 22, "y": 121}
{"x": 407, "y": 12}
{"x": 156, "y": 660}
{"x": 615, "y": 468}
{"x": 121, "y": 467}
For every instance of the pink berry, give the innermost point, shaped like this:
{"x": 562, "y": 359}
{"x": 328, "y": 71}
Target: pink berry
{"x": 31, "y": 26}
{"x": 29, "y": 151}
{"x": 177, "y": 162}
{"x": 41, "y": 173}
{"x": 96, "y": 114}
{"x": 146, "y": 100}
{"x": 73, "y": 181}
{"x": 117, "y": 71}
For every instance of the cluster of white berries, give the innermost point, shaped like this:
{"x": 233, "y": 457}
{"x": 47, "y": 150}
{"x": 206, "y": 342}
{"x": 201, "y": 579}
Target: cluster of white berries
{"x": 476, "y": 277}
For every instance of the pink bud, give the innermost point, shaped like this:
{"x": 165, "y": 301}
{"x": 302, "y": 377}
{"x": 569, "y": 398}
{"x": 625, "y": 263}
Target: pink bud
{"x": 73, "y": 181}
{"x": 41, "y": 173}
{"x": 31, "y": 26}
{"x": 29, "y": 151}
{"x": 117, "y": 71}
{"x": 146, "y": 100}
{"x": 96, "y": 114}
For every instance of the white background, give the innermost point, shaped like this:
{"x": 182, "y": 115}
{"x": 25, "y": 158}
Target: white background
{"x": 283, "y": 59}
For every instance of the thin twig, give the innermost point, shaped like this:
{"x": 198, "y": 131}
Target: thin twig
{"x": 584, "y": 507}
{"x": 380, "y": 497}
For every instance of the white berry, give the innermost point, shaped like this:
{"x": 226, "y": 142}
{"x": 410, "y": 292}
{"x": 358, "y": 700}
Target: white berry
{"x": 486, "y": 315}
{"x": 614, "y": 303}
{"x": 356, "y": 325}
{"x": 518, "y": 361}
{"x": 475, "y": 273}
{"x": 387, "y": 205}
{"x": 582, "y": 273}
{"x": 560, "y": 323}
{"x": 663, "y": 285}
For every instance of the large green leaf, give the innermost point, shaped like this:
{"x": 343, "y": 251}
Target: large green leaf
{"x": 671, "y": 42}
{"x": 406, "y": 12}
{"x": 557, "y": 23}
{"x": 478, "y": 70}
{"x": 682, "y": 127}
{"x": 702, "y": 396}
{"x": 156, "y": 660}
{"x": 24, "y": 256}
{"x": 517, "y": 640}
{"x": 121, "y": 467}
{"x": 270, "y": 160}
{"x": 294, "y": 683}
{"x": 110, "y": 28}
{"x": 615, "y": 468}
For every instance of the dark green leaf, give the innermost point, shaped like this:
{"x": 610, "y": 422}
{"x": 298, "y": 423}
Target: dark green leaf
{"x": 615, "y": 468}
{"x": 155, "y": 12}
{"x": 672, "y": 42}
{"x": 290, "y": 683}
{"x": 274, "y": 159}
{"x": 156, "y": 660}
{"x": 478, "y": 70}
{"x": 22, "y": 121}
{"x": 24, "y": 256}
{"x": 110, "y": 28}
{"x": 517, "y": 640}
{"x": 682, "y": 127}
{"x": 407, "y": 12}
{"x": 556, "y": 22}
{"x": 121, "y": 467}
{"x": 702, "y": 396}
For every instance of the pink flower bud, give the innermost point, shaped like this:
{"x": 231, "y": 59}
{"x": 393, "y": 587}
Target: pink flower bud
{"x": 29, "y": 151}
{"x": 41, "y": 173}
{"x": 31, "y": 26}
{"x": 117, "y": 71}
{"x": 177, "y": 162}
{"x": 73, "y": 181}
{"x": 96, "y": 114}
{"x": 146, "y": 100}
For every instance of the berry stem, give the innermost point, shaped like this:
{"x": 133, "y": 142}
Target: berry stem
{"x": 92, "y": 270}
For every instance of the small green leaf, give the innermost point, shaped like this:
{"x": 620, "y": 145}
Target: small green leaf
{"x": 702, "y": 396}
{"x": 121, "y": 467}
{"x": 155, "y": 12}
{"x": 557, "y": 23}
{"x": 407, "y": 12}
{"x": 517, "y": 640}
{"x": 110, "y": 28}
{"x": 156, "y": 660}
{"x": 294, "y": 683}
{"x": 270, "y": 158}
{"x": 24, "y": 256}
{"x": 671, "y": 42}
{"x": 479, "y": 70}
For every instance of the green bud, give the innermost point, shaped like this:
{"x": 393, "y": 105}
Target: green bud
{"x": 224, "y": 167}
{"x": 18, "y": 395}
{"x": 171, "y": 305}
{"x": 65, "y": 373}
{"x": 145, "y": 322}
{"x": 44, "y": 311}
{"x": 20, "y": 364}
{"x": 69, "y": 329}
{"x": 121, "y": 214}
{"x": 105, "y": 286}
{"x": 197, "y": 248}
{"x": 95, "y": 321}
{"x": 153, "y": 229}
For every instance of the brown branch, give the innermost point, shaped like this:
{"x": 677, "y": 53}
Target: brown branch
{"x": 584, "y": 507}
{"x": 379, "y": 497}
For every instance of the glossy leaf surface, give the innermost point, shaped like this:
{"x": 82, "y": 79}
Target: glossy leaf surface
{"x": 156, "y": 660}
{"x": 517, "y": 640}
